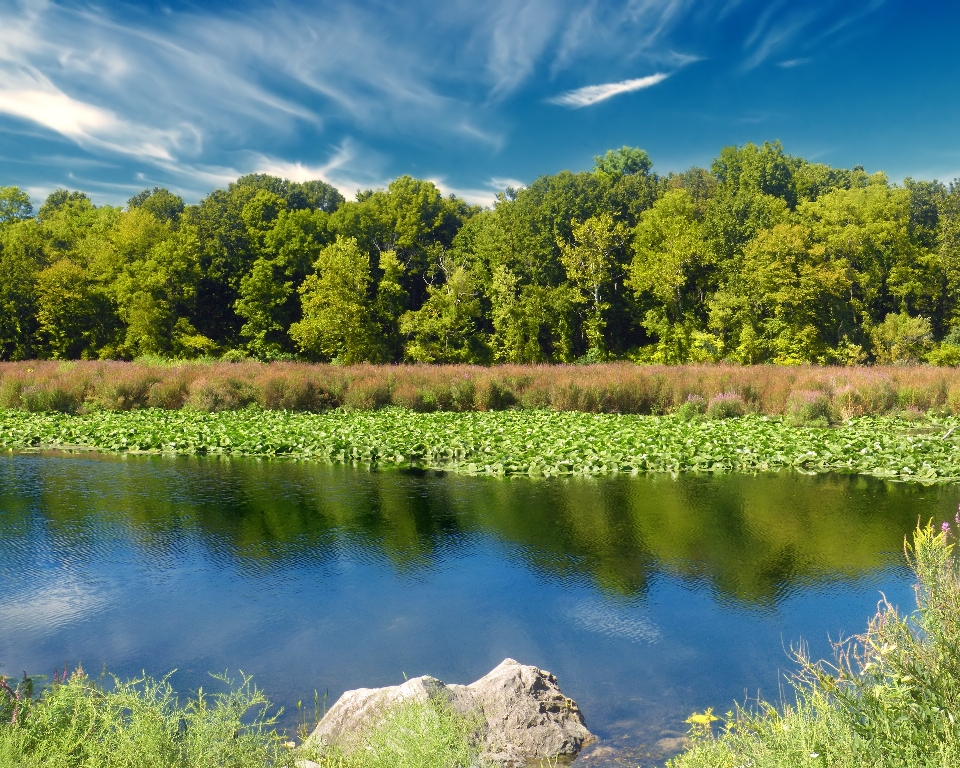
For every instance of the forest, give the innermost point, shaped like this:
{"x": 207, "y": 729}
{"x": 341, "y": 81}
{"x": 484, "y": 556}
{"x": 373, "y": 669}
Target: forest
{"x": 763, "y": 258}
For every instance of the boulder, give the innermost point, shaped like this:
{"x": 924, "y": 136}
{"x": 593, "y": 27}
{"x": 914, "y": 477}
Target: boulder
{"x": 524, "y": 717}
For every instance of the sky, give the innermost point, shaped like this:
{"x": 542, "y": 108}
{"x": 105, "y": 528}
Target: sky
{"x": 476, "y": 95}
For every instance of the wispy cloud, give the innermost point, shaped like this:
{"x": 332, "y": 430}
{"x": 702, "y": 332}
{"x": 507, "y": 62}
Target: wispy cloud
{"x": 594, "y": 94}
{"x": 485, "y": 196}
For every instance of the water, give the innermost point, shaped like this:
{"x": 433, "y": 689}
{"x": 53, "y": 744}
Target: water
{"x": 648, "y": 597}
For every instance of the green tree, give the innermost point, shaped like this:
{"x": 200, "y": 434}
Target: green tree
{"x": 162, "y": 203}
{"x": 623, "y": 162}
{"x": 70, "y": 313}
{"x": 670, "y": 274}
{"x": 902, "y": 339}
{"x": 446, "y": 328}
{"x": 787, "y": 304}
{"x": 21, "y": 259}
{"x": 338, "y": 320}
{"x": 15, "y": 205}
{"x": 592, "y": 261}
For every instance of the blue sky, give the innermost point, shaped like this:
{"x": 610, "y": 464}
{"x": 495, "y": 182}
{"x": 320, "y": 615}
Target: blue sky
{"x": 111, "y": 97}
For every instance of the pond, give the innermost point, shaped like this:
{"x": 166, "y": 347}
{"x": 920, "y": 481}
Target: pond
{"x": 649, "y": 597}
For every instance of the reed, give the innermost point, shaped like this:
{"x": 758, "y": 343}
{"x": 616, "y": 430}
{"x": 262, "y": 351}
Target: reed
{"x": 802, "y": 392}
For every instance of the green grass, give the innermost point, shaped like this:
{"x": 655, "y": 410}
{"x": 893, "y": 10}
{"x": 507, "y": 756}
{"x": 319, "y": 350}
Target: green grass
{"x": 891, "y": 699}
{"x": 85, "y": 723}
{"x": 538, "y": 443}
{"x": 412, "y": 734}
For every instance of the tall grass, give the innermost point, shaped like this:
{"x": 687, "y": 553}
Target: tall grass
{"x": 891, "y": 699}
{"x": 82, "y": 723}
{"x": 803, "y": 392}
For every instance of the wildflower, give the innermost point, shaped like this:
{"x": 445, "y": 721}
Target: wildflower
{"x": 945, "y": 527}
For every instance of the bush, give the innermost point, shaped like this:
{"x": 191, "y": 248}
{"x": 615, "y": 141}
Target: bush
{"x": 807, "y": 407}
{"x": 220, "y": 394}
{"x": 368, "y": 394}
{"x": 692, "y": 409}
{"x": 80, "y": 723}
{"x": 412, "y": 734}
{"x": 902, "y": 339}
{"x": 889, "y": 698}
{"x": 726, "y": 405}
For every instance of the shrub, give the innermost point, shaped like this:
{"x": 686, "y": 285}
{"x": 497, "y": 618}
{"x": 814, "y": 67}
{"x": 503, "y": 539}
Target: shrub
{"x": 463, "y": 392}
{"x": 807, "y": 407}
{"x": 693, "y": 408}
{"x": 889, "y": 699}
{"x": 411, "y": 734}
{"x": 953, "y": 400}
{"x": 902, "y": 339}
{"x": 368, "y": 394}
{"x": 726, "y": 405}
{"x": 409, "y": 395}
{"x": 491, "y": 395}
{"x": 65, "y": 397}
{"x": 848, "y": 402}
{"x": 170, "y": 393}
{"x": 294, "y": 391}
{"x": 122, "y": 388}
{"x": 80, "y": 723}
{"x": 224, "y": 393}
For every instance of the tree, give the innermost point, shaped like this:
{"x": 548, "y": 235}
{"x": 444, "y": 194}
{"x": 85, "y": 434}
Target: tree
{"x": 902, "y": 339}
{"x": 623, "y": 162}
{"x": 70, "y": 313}
{"x": 338, "y": 322}
{"x": 21, "y": 258}
{"x": 787, "y": 303}
{"x": 446, "y": 328}
{"x": 15, "y": 205}
{"x": 670, "y": 273}
{"x": 162, "y": 203}
{"x": 591, "y": 263}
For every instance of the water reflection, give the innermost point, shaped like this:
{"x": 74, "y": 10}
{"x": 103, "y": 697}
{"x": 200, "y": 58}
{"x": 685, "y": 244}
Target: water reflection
{"x": 753, "y": 540}
{"x": 647, "y": 596}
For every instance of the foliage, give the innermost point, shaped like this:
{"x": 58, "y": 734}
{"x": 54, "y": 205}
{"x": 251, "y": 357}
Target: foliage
{"x": 411, "y": 734}
{"x": 887, "y": 700}
{"x": 535, "y": 442}
{"x": 83, "y": 723}
{"x": 764, "y": 257}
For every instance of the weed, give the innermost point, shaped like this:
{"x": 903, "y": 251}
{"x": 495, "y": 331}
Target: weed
{"x": 888, "y": 700}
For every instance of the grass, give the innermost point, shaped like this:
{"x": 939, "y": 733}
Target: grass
{"x": 889, "y": 700}
{"x": 804, "y": 392}
{"x": 535, "y": 443}
{"x": 79, "y": 722}
{"x": 413, "y": 734}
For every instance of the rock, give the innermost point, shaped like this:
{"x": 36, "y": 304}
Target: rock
{"x": 524, "y": 716}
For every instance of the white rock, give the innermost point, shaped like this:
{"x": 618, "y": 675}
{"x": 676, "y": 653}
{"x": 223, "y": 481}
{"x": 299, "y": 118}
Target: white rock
{"x": 524, "y": 716}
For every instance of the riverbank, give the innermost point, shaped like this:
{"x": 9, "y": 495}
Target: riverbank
{"x": 531, "y": 443}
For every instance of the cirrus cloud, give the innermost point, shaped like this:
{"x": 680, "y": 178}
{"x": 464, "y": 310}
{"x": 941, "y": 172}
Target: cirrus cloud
{"x": 594, "y": 94}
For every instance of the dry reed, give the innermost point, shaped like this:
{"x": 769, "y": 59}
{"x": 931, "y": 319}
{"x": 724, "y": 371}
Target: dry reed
{"x": 609, "y": 388}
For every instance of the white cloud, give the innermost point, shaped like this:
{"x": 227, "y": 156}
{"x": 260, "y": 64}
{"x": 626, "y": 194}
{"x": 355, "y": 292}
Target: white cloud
{"x": 485, "y": 196}
{"x": 593, "y": 94}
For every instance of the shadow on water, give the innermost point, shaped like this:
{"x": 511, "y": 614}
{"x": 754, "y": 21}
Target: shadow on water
{"x": 648, "y": 596}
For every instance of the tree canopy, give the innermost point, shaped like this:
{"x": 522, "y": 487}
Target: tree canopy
{"x": 763, "y": 257}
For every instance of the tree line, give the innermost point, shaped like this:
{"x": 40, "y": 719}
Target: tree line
{"x": 765, "y": 257}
